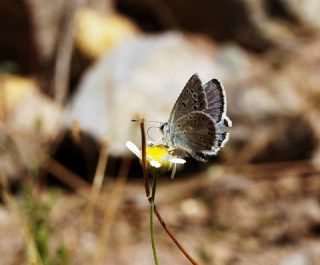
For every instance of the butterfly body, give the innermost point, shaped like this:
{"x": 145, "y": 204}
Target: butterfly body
{"x": 197, "y": 118}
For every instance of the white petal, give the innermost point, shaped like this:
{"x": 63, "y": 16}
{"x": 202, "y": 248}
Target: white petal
{"x": 133, "y": 148}
{"x": 173, "y": 159}
{"x": 177, "y": 160}
{"x": 167, "y": 158}
{"x": 149, "y": 157}
{"x": 155, "y": 163}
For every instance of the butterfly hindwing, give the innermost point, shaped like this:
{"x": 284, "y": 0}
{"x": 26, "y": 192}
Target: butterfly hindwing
{"x": 195, "y": 131}
{"x": 221, "y": 139}
{"x": 198, "y": 118}
{"x": 216, "y": 100}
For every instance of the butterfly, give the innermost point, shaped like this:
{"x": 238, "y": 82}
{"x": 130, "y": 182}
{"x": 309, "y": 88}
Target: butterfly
{"x": 197, "y": 119}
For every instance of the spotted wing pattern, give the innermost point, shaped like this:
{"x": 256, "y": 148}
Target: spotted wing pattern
{"x": 195, "y": 133}
{"x": 197, "y": 118}
{"x": 192, "y": 98}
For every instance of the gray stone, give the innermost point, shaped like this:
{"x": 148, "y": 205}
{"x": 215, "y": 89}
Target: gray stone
{"x": 299, "y": 258}
{"x": 144, "y": 77}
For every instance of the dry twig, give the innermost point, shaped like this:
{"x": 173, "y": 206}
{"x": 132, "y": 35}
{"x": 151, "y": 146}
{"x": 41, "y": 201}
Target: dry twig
{"x": 111, "y": 209}
{"x": 147, "y": 189}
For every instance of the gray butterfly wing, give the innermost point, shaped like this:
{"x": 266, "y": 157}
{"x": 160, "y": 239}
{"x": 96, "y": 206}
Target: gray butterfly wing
{"x": 216, "y": 102}
{"x": 192, "y": 98}
{"x": 197, "y": 117}
{"x": 210, "y": 98}
{"x": 197, "y": 134}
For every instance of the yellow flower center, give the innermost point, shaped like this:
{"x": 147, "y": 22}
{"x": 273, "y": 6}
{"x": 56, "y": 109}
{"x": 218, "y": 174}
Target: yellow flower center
{"x": 157, "y": 152}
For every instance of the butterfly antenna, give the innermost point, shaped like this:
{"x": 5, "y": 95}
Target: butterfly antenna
{"x": 159, "y": 140}
{"x": 135, "y": 120}
{"x": 152, "y": 127}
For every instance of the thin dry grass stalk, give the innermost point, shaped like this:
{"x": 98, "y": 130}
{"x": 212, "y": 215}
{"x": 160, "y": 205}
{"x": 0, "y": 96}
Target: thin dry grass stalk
{"x": 98, "y": 179}
{"x": 144, "y": 160}
{"x": 3, "y": 102}
{"x": 64, "y": 53}
{"x": 71, "y": 179}
{"x": 94, "y": 194}
{"x": 111, "y": 210}
{"x": 66, "y": 176}
{"x": 33, "y": 256}
{"x": 147, "y": 189}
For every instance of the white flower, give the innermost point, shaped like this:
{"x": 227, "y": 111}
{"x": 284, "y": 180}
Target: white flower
{"x": 159, "y": 158}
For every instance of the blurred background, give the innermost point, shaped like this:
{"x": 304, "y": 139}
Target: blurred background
{"x": 74, "y": 73}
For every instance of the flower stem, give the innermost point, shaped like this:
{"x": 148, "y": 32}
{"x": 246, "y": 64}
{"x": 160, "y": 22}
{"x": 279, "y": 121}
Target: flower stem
{"x": 146, "y": 185}
{"x": 153, "y": 243}
{"x": 154, "y": 186}
{"x": 144, "y": 159}
{"x": 150, "y": 198}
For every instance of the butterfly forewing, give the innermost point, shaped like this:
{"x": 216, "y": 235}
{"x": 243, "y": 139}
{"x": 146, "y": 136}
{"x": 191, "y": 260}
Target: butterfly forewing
{"x": 192, "y": 98}
{"x": 198, "y": 118}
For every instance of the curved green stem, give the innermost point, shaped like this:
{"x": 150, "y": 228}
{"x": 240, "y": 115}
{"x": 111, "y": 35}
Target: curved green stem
{"x": 154, "y": 186}
{"x": 153, "y": 243}
{"x": 146, "y": 186}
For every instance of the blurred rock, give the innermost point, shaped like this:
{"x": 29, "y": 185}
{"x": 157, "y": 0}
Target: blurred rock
{"x": 193, "y": 209}
{"x": 16, "y": 28}
{"x": 38, "y": 119}
{"x": 232, "y": 184}
{"x": 12, "y": 242}
{"x": 220, "y": 20}
{"x": 288, "y": 185}
{"x": 50, "y": 20}
{"x": 11, "y": 165}
{"x": 300, "y": 258}
{"x": 13, "y": 89}
{"x": 221, "y": 254}
{"x": 29, "y": 121}
{"x": 27, "y": 109}
{"x": 238, "y": 214}
{"x": 259, "y": 24}
{"x": 305, "y": 12}
{"x": 97, "y": 33}
{"x": 307, "y": 211}
{"x": 276, "y": 108}
{"x": 144, "y": 76}
{"x": 47, "y": 18}
{"x": 233, "y": 60}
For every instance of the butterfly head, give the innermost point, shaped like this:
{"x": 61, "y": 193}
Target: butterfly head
{"x": 162, "y": 126}
{"x": 165, "y": 130}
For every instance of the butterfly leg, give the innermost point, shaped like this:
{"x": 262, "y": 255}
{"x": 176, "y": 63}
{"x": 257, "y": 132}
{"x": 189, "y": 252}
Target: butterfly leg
{"x": 198, "y": 155}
